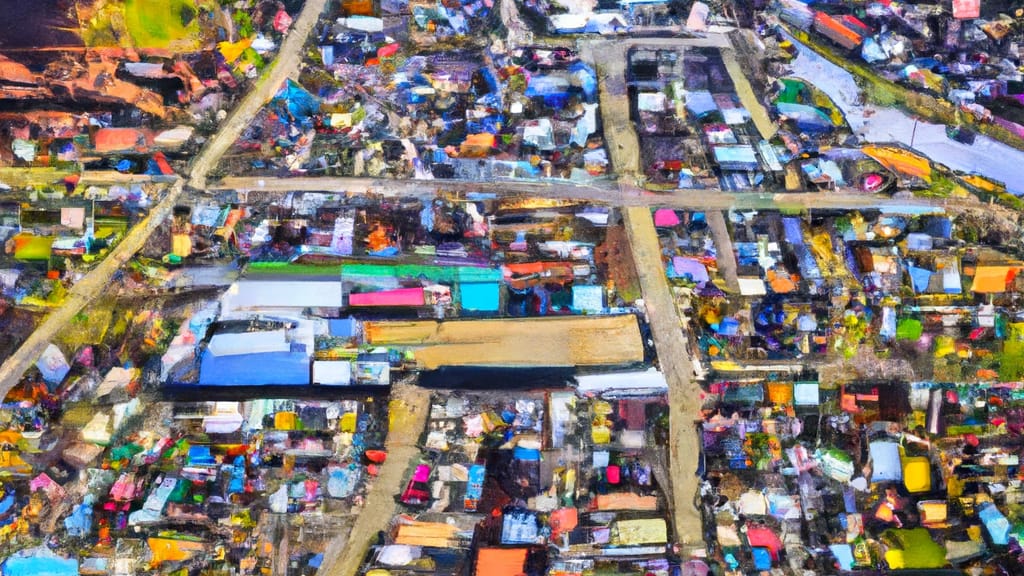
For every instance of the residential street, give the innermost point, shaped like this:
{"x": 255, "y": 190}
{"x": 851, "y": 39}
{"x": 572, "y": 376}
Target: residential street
{"x": 97, "y": 280}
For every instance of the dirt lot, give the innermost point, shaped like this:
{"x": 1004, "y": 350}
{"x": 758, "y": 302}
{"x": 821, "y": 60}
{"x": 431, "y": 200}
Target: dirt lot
{"x": 559, "y": 341}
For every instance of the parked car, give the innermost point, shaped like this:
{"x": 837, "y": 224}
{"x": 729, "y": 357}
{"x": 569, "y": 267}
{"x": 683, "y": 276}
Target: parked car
{"x": 417, "y": 492}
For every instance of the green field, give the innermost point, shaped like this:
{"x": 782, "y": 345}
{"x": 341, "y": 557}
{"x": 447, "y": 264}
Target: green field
{"x": 161, "y": 23}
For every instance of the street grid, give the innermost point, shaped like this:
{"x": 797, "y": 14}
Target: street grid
{"x": 410, "y": 405}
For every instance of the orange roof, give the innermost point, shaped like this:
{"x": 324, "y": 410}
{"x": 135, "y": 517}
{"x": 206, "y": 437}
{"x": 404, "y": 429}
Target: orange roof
{"x": 477, "y": 145}
{"x": 500, "y": 561}
{"x": 780, "y": 284}
{"x": 11, "y": 71}
{"x": 170, "y": 550}
{"x": 900, "y": 161}
{"x": 434, "y": 534}
{"x": 625, "y": 501}
{"x": 993, "y": 279}
{"x": 119, "y": 139}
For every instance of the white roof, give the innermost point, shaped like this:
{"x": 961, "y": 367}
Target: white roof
{"x": 649, "y": 380}
{"x": 568, "y": 21}
{"x": 233, "y": 344}
{"x": 332, "y": 372}
{"x": 255, "y": 294}
{"x": 752, "y": 287}
{"x": 363, "y": 23}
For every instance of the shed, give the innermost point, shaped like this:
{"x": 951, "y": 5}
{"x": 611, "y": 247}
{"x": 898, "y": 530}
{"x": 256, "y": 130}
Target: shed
{"x": 640, "y": 532}
{"x": 650, "y": 380}
{"x": 885, "y": 458}
{"x": 256, "y": 294}
{"x": 332, "y": 372}
{"x": 279, "y": 367}
{"x": 993, "y": 279}
{"x": 119, "y": 140}
{"x": 684, "y": 267}
{"x": 433, "y": 534}
{"x": 742, "y": 157}
{"x": 397, "y": 297}
{"x": 588, "y": 298}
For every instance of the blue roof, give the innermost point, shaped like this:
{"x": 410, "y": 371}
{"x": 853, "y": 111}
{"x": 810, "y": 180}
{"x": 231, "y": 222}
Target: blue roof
{"x": 39, "y": 562}
{"x": 258, "y": 369}
{"x": 482, "y": 296}
{"x": 920, "y": 277}
{"x": 343, "y": 327}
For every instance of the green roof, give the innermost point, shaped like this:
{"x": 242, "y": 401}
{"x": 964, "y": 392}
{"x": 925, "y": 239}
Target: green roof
{"x": 432, "y": 273}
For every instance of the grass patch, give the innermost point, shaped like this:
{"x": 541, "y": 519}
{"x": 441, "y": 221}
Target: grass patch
{"x": 289, "y": 268}
{"x": 169, "y": 24}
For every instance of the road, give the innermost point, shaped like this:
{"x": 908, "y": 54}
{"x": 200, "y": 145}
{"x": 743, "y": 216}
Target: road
{"x": 407, "y": 413}
{"x": 622, "y": 144}
{"x": 619, "y": 132}
{"x": 663, "y": 318}
{"x": 410, "y": 405}
{"x": 284, "y": 66}
{"x": 725, "y": 255}
{"x": 607, "y": 192}
{"x": 98, "y": 279}
{"x": 519, "y": 34}
{"x": 765, "y": 126}
{"x": 674, "y": 358}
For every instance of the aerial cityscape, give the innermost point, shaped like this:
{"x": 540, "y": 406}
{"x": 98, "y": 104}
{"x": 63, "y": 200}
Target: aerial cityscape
{"x": 511, "y": 287}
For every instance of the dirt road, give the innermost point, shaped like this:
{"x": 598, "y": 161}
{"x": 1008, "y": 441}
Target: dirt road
{"x": 675, "y": 362}
{"x": 284, "y": 66}
{"x": 609, "y": 61}
{"x": 765, "y": 126}
{"x": 723, "y": 246}
{"x": 84, "y": 292}
{"x": 519, "y": 34}
{"x": 608, "y": 192}
{"x": 408, "y": 412}
{"x": 98, "y": 279}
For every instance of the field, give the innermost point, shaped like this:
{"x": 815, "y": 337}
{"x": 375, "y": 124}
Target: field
{"x": 165, "y": 24}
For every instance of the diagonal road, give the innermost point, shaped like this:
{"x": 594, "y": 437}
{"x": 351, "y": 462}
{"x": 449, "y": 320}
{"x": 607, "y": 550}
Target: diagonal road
{"x": 407, "y": 416}
{"x": 285, "y": 65}
{"x": 674, "y": 360}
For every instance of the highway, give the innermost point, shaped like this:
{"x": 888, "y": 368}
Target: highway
{"x": 96, "y": 281}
